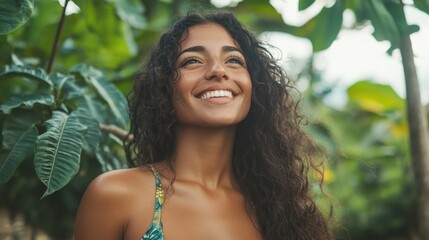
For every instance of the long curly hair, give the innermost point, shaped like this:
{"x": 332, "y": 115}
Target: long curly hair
{"x": 272, "y": 154}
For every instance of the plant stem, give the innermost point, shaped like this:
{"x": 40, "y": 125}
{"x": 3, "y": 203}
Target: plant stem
{"x": 419, "y": 138}
{"x": 57, "y": 38}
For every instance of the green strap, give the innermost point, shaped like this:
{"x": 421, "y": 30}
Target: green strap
{"x": 155, "y": 230}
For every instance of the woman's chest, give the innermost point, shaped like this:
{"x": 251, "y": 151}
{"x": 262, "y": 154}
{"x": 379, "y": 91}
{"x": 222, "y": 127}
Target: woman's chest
{"x": 208, "y": 217}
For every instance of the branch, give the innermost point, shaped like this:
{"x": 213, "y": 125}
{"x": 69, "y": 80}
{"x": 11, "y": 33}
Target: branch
{"x": 118, "y": 132}
{"x": 57, "y": 38}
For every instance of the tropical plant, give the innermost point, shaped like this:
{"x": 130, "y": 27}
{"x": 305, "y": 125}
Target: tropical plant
{"x": 55, "y": 120}
{"x": 390, "y": 24}
{"x": 369, "y": 172}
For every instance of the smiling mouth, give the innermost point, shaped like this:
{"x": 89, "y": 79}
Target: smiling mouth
{"x": 216, "y": 94}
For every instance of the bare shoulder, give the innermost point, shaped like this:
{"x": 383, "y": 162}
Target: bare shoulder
{"x": 112, "y": 201}
{"x": 121, "y": 182}
{"x": 119, "y": 186}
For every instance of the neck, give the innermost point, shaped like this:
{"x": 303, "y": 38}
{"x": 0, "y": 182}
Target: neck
{"x": 204, "y": 156}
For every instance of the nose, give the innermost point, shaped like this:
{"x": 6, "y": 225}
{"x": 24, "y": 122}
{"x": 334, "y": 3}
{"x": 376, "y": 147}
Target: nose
{"x": 216, "y": 71}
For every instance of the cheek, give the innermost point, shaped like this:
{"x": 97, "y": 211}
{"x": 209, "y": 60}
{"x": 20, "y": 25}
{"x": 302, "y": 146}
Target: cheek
{"x": 180, "y": 100}
{"x": 248, "y": 92}
{"x": 248, "y": 86}
{"x": 179, "y": 88}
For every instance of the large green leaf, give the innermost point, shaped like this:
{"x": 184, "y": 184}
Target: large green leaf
{"x": 396, "y": 9}
{"x": 383, "y": 22}
{"x": 33, "y": 41}
{"x": 26, "y": 101}
{"x": 10, "y": 159}
{"x": 322, "y": 30}
{"x": 269, "y": 19}
{"x": 19, "y": 121}
{"x": 108, "y": 92}
{"x": 92, "y": 136}
{"x": 13, "y": 14}
{"x": 327, "y": 24}
{"x": 26, "y": 71}
{"x": 375, "y": 97}
{"x": 58, "y": 151}
{"x": 422, "y": 5}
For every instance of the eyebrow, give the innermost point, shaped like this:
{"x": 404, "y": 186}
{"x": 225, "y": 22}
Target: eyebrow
{"x": 202, "y": 49}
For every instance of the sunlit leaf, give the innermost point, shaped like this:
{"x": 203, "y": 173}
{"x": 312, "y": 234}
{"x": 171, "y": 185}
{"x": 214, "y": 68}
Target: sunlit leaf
{"x": 26, "y": 71}
{"x": 13, "y": 14}
{"x": 400, "y": 130}
{"x": 10, "y": 159}
{"x": 58, "y": 151}
{"x": 375, "y": 97}
{"x": 26, "y": 101}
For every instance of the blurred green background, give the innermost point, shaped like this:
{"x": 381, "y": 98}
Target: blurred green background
{"x": 101, "y": 48}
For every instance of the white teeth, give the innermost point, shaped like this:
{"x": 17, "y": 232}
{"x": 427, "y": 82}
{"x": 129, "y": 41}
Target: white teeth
{"x": 216, "y": 93}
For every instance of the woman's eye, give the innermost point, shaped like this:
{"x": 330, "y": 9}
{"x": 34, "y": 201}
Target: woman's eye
{"x": 188, "y": 61}
{"x": 236, "y": 60}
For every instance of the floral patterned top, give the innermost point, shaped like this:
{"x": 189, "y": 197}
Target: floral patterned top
{"x": 155, "y": 230}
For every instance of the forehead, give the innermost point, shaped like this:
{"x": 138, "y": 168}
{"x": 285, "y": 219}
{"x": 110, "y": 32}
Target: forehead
{"x": 210, "y": 34}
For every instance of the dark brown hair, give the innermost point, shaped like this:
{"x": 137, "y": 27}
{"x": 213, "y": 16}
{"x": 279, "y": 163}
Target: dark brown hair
{"x": 272, "y": 154}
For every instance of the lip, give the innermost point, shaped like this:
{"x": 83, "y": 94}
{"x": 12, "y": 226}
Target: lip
{"x": 200, "y": 93}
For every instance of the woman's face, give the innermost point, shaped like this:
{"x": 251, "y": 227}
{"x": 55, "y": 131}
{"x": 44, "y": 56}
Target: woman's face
{"x": 214, "y": 88}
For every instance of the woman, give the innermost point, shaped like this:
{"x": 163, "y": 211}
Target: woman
{"x": 217, "y": 152}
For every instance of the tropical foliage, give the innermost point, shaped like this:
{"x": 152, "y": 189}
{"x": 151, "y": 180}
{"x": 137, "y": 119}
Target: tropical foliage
{"x": 64, "y": 76}
{"x": 370, "y": 175}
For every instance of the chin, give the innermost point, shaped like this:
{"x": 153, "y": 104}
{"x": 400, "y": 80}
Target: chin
{"x": 213, "y": 120}
{"x": 223, "y": 122}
